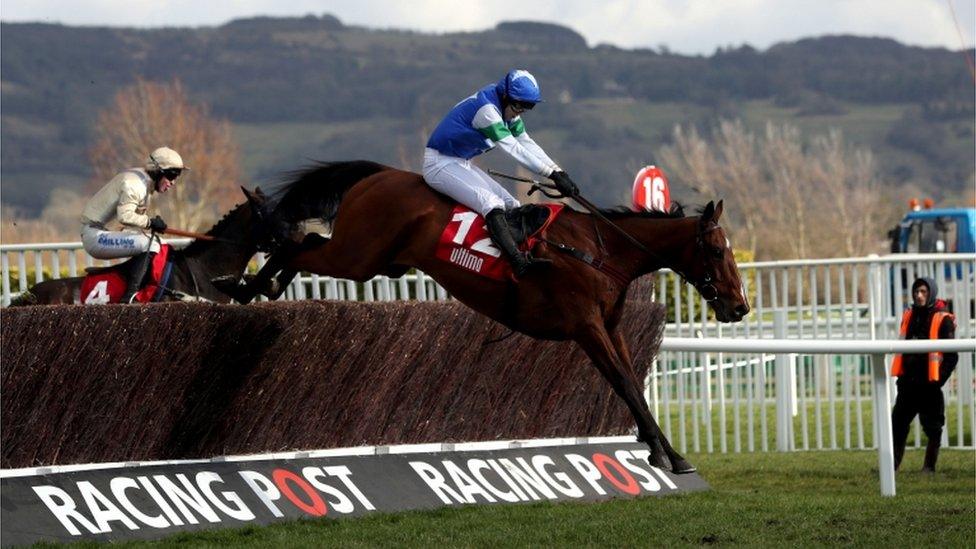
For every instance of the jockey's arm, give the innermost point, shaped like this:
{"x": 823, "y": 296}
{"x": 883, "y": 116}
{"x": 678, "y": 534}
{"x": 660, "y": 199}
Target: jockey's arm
{"x": 131, "y": 197}
{"x": 533, "y": 147}
{"x": 489, "y": 122}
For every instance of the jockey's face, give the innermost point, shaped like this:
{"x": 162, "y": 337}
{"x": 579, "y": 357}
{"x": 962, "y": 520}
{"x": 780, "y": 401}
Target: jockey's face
{"x": 515, "y": 108}
{"x": 166, "y": 179}
{"x": 511, "y": 112}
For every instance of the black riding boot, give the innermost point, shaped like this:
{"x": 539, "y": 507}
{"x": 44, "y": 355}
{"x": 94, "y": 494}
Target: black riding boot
{"x": 931, "y": 454}
{"x": 134, "y": 283}
{"x": 501, "y": 235}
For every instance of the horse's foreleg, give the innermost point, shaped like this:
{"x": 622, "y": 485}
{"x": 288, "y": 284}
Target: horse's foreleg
{"x": 245, "y": 293}
{"x": 600, "y": 348}
{"x": 274, "y": 277}
{"x": 678, "y": 463}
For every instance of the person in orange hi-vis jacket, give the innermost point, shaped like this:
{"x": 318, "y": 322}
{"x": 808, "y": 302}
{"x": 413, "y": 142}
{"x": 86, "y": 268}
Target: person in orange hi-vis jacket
{"x": 921, "y": 376}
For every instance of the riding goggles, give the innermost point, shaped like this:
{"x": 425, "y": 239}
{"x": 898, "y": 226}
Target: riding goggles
{"x": 522, "y": 105}
{"x": 172, "y": 173}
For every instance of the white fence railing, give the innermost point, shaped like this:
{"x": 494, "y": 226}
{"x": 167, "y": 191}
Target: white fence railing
{"x": 24, "y": 265}
{"x": 786, "y": 387}
{"x": 726, "y": 401}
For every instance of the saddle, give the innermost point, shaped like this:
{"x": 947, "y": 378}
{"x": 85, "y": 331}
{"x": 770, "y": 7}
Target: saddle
{"x": 525, "y": 221}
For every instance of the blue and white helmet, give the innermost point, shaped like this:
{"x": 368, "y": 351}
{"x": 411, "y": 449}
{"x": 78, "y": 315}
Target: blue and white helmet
{"x": 519, "y": 84}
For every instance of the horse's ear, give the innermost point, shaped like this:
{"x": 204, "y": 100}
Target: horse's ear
{"x": 708, "y": 213}
{"x": 256, "y": 198}
{"x": 718, "y": 211}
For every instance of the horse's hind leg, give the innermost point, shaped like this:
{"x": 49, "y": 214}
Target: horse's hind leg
{"x": 598, "y": 345}
{"x": 678, "y": 463}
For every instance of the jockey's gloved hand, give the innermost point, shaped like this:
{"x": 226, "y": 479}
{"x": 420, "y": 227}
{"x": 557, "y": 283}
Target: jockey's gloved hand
{"x": 564, "y": 183}
{"x": 157, "y": 225}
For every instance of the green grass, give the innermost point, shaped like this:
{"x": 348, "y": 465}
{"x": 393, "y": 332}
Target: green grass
{"x": 798, "y": 499}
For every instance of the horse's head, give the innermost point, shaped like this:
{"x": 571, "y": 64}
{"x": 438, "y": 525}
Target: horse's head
{"x": 266, "y": 230}
{"x": 710, "y": 267}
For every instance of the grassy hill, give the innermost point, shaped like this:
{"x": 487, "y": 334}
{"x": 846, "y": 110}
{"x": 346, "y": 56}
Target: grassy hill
{"x": 312, "y": 88}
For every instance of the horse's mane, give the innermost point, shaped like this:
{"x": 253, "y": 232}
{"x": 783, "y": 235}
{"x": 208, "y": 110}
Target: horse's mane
{"x": 677, "y": 211}
{"x": 217, "y": 230}
{"x": 315, "y": 191}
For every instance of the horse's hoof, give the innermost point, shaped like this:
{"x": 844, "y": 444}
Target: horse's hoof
{"x": 658, "y": 457}
{"x": 660, "y": 461}
{"x": 661, "y": 464}
{"x": 271, "y": 289}
{"x": 682, "y": 467}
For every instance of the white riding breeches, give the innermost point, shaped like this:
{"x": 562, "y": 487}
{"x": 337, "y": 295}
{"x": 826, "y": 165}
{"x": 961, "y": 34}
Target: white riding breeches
{"x": 466, "y": 183}
{"x": 104, "y": 244}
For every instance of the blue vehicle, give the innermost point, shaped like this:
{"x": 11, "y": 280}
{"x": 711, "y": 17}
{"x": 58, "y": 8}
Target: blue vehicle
{"x": 933, "y": 230}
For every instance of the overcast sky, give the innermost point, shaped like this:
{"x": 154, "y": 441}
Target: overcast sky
{"x": 689, "y": 26}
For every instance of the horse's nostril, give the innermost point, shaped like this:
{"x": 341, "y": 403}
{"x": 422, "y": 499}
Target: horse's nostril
{"x": 742, "y": 310}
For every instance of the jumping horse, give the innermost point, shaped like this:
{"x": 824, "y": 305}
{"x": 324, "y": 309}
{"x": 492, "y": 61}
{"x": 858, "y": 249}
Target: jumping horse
{"x": 194, "y": 267}
{"x": 385, "y": 221}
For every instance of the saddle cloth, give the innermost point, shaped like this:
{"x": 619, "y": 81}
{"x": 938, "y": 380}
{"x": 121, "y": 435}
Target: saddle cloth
{"x": 107, "y": 284}
{"x": 465, "y": 241}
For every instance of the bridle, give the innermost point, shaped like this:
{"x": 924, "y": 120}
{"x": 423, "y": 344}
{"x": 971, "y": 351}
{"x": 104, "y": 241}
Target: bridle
{"x": 705, "y": 286}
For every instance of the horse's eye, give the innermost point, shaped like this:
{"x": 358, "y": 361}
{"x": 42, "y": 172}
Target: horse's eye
{"x": 718, "y": 252}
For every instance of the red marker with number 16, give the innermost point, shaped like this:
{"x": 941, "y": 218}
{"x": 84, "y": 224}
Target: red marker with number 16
{"x": 651, "y": 190}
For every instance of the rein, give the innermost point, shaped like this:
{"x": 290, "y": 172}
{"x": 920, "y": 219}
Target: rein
{"x": 201, "y": 236}
{"x": 541, "y": 187}
{"x": 705, "y": 287}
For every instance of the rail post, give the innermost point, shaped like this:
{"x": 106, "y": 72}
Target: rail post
{"x": 5, "y": 259}
{"x": 882, "y": 418}
{"x": 784, "y": 391}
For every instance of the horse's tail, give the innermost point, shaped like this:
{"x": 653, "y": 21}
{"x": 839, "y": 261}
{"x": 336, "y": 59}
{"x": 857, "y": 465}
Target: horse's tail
{"x": 25, "y": 299}
{"x": 316, "y": 192}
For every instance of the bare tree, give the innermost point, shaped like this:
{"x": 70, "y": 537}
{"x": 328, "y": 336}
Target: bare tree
{"x": 787, "y": 197}
{"x": 147, "y": 115}
{"x": 742, "y": 182}
{"x": 691, "y": 157}
{"x": 785, "y": 164}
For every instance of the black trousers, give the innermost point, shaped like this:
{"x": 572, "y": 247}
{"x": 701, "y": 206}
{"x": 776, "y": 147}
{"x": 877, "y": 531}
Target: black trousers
{"x": 925, "y": 401}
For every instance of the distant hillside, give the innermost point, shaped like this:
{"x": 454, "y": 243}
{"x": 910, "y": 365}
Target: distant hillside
{"x": 311, "y": 87}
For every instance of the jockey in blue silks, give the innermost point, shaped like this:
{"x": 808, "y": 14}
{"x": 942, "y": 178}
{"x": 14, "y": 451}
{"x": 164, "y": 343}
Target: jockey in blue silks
{"x": 490, "y": 117}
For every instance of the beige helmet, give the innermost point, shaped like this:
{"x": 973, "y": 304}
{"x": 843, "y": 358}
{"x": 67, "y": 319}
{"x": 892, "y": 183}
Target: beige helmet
{"x": 164, "y": 158}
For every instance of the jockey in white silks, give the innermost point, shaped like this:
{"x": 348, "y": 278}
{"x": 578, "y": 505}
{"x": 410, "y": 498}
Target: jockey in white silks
{"x": 490, "y": 117}
{"x": 124, "y": 203}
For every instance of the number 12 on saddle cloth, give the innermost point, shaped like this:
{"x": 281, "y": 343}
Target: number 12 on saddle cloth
{"x": 466, "y": 243}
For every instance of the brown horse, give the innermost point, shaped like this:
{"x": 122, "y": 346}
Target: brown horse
{"x": 387, "y": 220}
